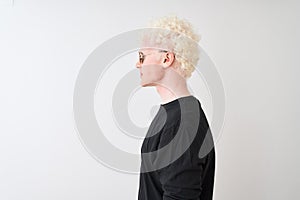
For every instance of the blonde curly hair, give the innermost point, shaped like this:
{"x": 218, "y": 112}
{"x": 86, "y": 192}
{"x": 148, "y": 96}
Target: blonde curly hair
{"x": 178, "y": 36}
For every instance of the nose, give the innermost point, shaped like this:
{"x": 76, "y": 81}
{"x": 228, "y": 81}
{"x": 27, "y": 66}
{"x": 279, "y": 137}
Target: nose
{"x": 138, "y": 65}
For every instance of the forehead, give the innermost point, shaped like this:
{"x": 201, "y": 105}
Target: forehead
{"x": 146, "y": 50}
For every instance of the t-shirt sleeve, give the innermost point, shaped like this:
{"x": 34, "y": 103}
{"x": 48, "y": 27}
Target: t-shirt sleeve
{"x": 182, "y": 179}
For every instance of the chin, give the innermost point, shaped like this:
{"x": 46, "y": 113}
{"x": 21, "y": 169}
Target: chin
{"x": 147, "y": 84}
{"x": 144, "y": 85}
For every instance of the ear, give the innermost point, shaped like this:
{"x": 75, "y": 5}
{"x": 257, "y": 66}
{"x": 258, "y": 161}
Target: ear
{"x": 168, "y": 59}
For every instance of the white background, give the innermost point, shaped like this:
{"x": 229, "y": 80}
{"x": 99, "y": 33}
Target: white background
{"x": 43, "y": 44}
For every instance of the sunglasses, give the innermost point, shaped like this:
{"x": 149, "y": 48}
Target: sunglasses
{"x": 143, "y": 56}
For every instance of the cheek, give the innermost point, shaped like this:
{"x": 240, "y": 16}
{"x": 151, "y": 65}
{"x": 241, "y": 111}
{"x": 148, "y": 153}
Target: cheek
{"x": 155, "y": 71}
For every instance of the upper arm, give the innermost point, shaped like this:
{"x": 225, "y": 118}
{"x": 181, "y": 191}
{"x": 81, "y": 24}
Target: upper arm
{"x": 181, "y": 179}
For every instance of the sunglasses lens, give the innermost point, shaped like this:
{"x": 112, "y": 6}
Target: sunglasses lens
{"x": 141, "y": 58}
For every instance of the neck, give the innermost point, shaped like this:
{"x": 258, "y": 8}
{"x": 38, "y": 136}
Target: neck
{"x": 172, "y": 87}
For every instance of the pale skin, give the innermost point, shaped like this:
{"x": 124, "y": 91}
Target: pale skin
{"x": 158, "y": 70}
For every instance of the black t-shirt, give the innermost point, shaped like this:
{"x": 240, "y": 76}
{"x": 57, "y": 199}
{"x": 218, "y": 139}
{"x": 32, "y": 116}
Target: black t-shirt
{"x": 178, "y": 155}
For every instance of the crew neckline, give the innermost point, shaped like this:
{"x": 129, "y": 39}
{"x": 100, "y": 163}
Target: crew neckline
{"x": 175, "y": 100}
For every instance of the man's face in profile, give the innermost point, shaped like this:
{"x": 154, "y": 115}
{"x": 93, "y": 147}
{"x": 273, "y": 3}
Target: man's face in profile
{"x": 150, "y": 66}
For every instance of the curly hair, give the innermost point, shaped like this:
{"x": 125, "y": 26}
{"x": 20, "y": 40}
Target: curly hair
{"x": 178, "y": 36}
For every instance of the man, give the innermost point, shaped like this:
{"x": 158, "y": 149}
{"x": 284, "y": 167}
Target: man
{"x": 178, "y": 156}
